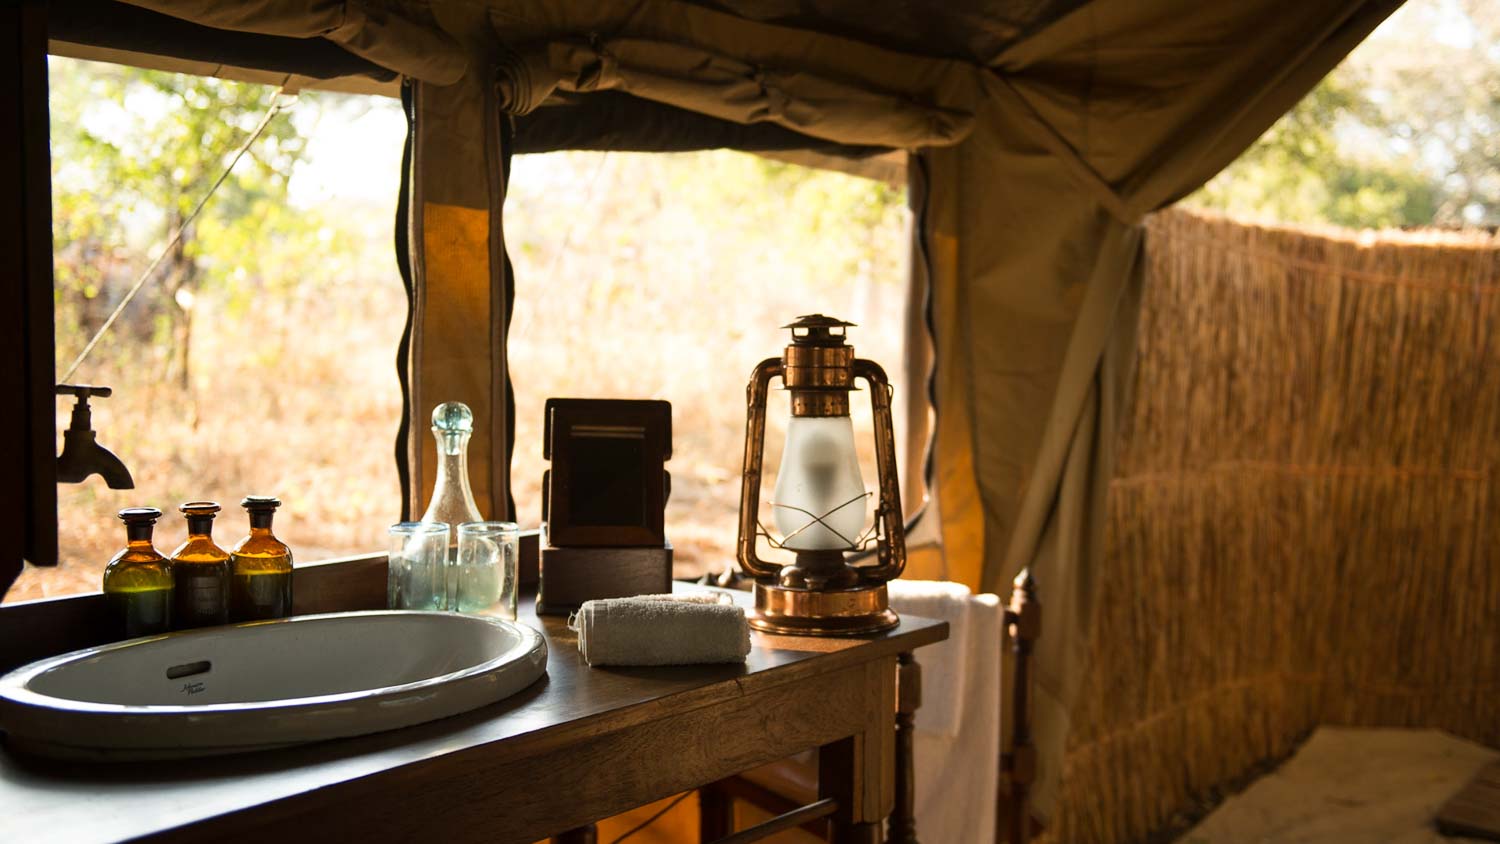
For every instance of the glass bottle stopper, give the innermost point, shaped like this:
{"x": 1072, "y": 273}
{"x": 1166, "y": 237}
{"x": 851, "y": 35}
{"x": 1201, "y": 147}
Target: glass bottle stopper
{"x": 452, "y": 421}
{"x": 255, "y": 503}
{"x": 453, "y": 417}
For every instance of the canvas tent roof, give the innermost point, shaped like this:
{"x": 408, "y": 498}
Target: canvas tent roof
{"x": 1040, "y": 132}
{"x": 972, "y": 31}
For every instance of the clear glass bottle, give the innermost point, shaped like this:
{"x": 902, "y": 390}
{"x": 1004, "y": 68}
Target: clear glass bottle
{"x": 452, "y": 499}
{"x": 260, "y": 567}
{"x": 138, "y": 581}
{"x": 200, "y": 572}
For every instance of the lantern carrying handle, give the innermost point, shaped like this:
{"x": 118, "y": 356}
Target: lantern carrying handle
{"x": 889, "y": 521}
{"x": 755, "y": 443}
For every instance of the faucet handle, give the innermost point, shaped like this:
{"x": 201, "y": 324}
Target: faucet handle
{"x": 84, "y": 391}
{"x": 82, "y": 455}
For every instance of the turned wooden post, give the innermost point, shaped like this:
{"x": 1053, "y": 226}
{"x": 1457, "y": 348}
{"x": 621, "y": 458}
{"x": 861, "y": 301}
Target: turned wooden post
{"x": 903, "y": 821}
{"x": 1023, "y": 622}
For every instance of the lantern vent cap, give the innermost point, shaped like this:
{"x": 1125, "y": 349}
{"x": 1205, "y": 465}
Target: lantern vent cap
{"x": 818, "y": 330}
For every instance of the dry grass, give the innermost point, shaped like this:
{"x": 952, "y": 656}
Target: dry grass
{"x": 1304, "y": 522}
{"x": 669, "y": 276}
{"x": 639, "y": 276}
{"x": 295, "y": 396}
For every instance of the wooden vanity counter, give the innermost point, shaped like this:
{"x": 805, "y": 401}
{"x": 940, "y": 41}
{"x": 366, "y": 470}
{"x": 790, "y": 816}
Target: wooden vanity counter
{"x": 580, "y": 745}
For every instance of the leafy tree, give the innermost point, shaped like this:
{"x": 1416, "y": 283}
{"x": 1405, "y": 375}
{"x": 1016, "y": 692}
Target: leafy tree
{"x": 1405, "y": 132}
{"x": 134, "y": 150}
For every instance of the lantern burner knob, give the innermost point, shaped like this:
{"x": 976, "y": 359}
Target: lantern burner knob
{"x": 825, "y": 569}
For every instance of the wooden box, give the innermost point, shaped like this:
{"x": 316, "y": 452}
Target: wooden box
{"x": 572, "y": 575}
{"x": 608, "y": 484}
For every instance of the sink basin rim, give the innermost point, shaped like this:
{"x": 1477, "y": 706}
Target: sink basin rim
{"x": 38, "y": 723}
{"x": 14, "y": 690}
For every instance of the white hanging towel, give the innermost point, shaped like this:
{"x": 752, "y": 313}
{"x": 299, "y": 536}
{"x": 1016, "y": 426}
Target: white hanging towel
{"x": 957, "y": 741}
{"x": 943, "y": 681}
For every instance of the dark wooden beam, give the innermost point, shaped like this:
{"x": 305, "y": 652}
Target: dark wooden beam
{"x": 28, "y": 429}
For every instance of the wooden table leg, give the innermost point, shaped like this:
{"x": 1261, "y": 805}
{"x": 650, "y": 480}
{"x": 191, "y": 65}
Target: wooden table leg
{"x": 582, "y": 835}
{"x": 903, "y": 825}
{"x": 859, "y": 771}
{"x": 715, "y": 813}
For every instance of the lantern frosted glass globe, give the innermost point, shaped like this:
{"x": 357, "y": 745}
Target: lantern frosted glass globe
{"x": 819, "y": 473}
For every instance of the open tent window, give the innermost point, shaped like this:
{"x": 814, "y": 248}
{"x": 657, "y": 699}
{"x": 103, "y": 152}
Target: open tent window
{"x": 257, "y": 355}
{"x": 668, "y": 276}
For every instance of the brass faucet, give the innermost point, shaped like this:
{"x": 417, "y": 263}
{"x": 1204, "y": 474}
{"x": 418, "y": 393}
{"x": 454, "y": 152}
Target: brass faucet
{"x": 82, "y": 455}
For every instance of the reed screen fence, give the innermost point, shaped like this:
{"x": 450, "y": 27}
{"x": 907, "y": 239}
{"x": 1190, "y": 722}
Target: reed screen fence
{"x": 1304, "y": 526}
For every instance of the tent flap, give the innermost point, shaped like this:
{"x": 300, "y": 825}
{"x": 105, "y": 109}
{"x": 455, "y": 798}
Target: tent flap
{"x": 1035, "y": 251}
{"x": 728, "y": 88}
{"x": 455, "y": 341}
{"x": 684, "y": 54}
{"x": 610, "y": 120}
{"x": 1156, "y": 97}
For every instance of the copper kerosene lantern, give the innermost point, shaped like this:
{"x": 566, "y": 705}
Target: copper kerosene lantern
{"x": 820, "y": 499}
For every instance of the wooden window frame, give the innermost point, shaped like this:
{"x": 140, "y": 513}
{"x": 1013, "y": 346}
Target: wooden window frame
{"x": 28, "y": 462}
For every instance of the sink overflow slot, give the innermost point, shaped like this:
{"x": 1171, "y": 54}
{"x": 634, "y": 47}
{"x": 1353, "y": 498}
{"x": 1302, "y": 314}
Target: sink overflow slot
{"x": 188, "y": 669}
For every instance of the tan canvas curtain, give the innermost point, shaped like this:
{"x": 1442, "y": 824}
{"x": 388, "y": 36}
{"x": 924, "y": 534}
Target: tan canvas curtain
{"x": 1105, "y": 114}
{"x": 686, "y": 55}
{"x": 728, "y": 88}
{"x": 460, "y": 291}
{"x": 401, "y": 36}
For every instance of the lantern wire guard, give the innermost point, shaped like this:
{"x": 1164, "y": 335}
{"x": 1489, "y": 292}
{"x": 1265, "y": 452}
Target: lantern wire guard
{"x": 821, "y": 593}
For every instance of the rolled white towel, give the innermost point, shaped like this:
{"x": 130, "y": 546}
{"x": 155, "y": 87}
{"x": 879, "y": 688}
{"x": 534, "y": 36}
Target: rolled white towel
{"x": 703, "y": 597}
{"x": 650, "y": 630}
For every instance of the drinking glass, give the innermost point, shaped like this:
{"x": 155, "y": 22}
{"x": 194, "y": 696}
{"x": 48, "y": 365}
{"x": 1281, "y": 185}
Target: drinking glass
{"x": 487, "y": 568}
{"x": 415, "y": 577}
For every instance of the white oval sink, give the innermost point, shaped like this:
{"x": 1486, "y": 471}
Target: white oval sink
{"x": 265, "y": 684}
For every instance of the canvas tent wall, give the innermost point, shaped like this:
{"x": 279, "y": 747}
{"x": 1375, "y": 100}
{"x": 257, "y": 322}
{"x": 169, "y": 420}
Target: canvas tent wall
{"x": 1041, "y": 132}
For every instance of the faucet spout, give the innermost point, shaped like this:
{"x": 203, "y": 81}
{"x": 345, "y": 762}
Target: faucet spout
{"x": 82, "y": 455}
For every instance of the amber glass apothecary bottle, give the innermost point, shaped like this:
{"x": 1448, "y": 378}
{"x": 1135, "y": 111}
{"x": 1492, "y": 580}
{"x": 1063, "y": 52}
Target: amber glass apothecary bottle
{"x": 200, "y": 572}
{"x": 138, "y": 581}
{"x": 260, "y": 576}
